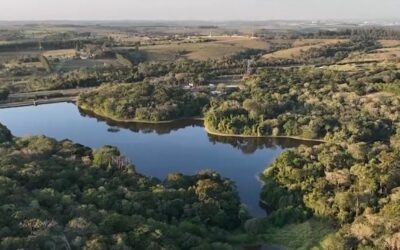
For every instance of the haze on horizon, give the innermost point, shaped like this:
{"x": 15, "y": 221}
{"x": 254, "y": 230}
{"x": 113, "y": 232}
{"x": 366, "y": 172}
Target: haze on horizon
{"x": 215, "y": 10}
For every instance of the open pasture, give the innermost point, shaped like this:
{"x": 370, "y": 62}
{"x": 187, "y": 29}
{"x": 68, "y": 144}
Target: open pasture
{"x": 218, "y": 48}
{"x": 61, "y": 53}
{"x": 299, "y": 46}
{"x": 390, "y": 51}
{"x": 69, "y": 65}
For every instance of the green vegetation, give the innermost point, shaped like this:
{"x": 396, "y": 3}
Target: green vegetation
{"x": 60, "y": 195}
{"x": 143, "y": 102}
{"x": 305, "y": 235}
{"x": 45, "y": 63}
{"x": 123, "y": 60}
{"x": 355, "y": 185}
{"x": 345, "y": 189}
{"x": 5, "y": 134}
{"x": 4, "y": 94}
{"x": 310, "y": 103}
{"x": 340, "y": 86}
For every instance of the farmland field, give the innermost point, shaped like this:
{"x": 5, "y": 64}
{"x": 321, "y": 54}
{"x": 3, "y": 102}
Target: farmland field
{"x": 60, "y": 53}
{"x": 220, "y": 47}
{"x": 299, "y": 46}
{"x": 390, "y": 50}
{"x": 68, "y": 65}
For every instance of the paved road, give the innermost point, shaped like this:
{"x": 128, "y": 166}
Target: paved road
{"x": 37, "y": 102}
{"x": 48, "y": 93}
{"x": 42, "y": 97}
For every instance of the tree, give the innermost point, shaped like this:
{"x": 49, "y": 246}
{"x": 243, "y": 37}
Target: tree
{"x": 4, "y": 94}
{"x": 105, "y": 155}
{"x": 5, "y": 134}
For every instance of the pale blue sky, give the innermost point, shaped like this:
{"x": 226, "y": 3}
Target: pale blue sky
{"x": 197, "y": 9}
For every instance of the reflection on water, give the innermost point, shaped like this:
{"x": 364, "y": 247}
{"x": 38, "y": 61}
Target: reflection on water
{"x": 158, "y": 128}
{"x": 247, "y": 145}
{"x": 251, "y": 145}
{"x": 158, "y": 149}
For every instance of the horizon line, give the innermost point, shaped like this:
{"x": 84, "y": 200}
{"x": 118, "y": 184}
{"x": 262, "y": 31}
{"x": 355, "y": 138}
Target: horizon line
{"x": 199, "y": 20}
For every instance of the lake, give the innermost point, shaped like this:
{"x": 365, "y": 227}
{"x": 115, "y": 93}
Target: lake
{"x": 158, "y": 149}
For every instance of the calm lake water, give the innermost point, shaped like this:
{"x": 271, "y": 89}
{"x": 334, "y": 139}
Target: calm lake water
{"x": 157, "y": 150}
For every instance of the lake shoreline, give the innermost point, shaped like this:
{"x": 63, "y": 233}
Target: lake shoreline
{"x": 42, "y": 97}
{"x": 126, "y": 121}
{"x": 263, "y": 136}
{"x": 189, "y": 150}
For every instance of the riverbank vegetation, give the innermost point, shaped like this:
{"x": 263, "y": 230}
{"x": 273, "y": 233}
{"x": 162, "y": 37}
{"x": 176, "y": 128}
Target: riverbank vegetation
{"x": 354, "y": 187}
{"x": 143, "y": 102}
{"x": 61, "y": 195}
{"x": 311, "y": 103}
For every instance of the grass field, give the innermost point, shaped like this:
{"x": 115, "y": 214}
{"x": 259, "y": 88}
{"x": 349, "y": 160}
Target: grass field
{"x": 60, "y": 53}
{"x": 376, "y": 55}
{"x": 6, "y": 56}
{"x": 69, "y": 65}
{"x": 390, "y": 43}
{"x": 299, "y": 46}
{"x": 350, "y": 67}
{"x": 4, "y": 42}
{"x": 390, "y": 51}
{"x": 304, "y": 236}
{"x": 222, "y": 46}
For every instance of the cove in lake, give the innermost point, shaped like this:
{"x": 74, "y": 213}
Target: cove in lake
{"x": 158, "y": 149}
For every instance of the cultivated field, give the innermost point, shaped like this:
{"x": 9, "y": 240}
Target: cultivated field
{"x": 68, "y": 65}
{"x": 299, "y": 46}
{"x": 390, "y": 51}
{"x": 65, "y": 53}
{"x": 220, "y": 47}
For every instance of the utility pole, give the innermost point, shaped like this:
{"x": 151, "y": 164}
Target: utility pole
{"x": 249, "y": 68}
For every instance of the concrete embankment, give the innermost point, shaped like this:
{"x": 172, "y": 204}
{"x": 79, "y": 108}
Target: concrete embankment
{"x": 42, "y": 97}
{"x": 37, "y": 102}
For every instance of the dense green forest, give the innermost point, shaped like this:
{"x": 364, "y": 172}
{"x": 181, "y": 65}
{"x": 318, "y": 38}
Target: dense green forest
{"x": 355, "y": 187}
{"x": 311, "y": 103}
{"x": 61, "y": 195}
{"x": 143, "y": 102}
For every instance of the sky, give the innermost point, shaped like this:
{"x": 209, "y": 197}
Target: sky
{"x": 216, "y": 10}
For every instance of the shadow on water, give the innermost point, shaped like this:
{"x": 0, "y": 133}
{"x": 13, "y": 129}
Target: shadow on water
{"x": 250, "y": 145}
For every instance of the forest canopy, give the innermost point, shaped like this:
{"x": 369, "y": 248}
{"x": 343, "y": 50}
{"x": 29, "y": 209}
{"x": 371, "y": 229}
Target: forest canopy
{"x": 144, "y": 102}
{"x": 61, "y": 195}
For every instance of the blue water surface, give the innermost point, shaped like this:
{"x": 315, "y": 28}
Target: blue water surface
{"x": 156, "y": 150}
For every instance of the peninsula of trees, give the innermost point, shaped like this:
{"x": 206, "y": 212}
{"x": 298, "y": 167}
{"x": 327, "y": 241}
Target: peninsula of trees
{"x": 143, "y": 102}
